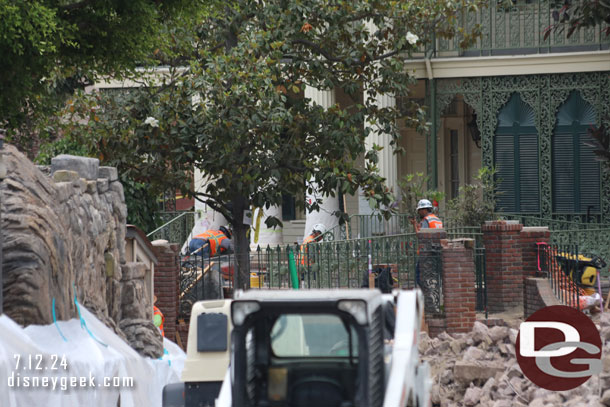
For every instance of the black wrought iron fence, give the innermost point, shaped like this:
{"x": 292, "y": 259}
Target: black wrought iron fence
{"x": 325, "y": 265}
{"x": 480, "y": 280}
{"x": 204, "y": 277}
{"x": 176, "y": 227}
{"x": 560, "y": 264}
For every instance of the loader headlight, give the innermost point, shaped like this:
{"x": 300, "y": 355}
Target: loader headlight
{"x": 356, "y": 308}
{"x": 241, "y": 309}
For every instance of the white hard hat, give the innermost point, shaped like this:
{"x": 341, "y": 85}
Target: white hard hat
{"x": 319, "y": 227}
{"x": 424, "y": 204}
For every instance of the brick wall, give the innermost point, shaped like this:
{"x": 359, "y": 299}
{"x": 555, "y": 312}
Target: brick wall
{"x": 504, "y": 265}
{"x": 529, "y": 250}
{"x": 166, "y": 285}
{"x": 458, "y": 285}
{"x": 537, "y": 293}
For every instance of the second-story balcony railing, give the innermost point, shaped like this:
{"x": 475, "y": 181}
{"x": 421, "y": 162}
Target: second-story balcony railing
{"x": 519, "y": 27}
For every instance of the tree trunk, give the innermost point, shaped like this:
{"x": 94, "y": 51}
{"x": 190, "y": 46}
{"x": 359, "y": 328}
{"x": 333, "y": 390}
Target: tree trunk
{"x": 242, "y": 245}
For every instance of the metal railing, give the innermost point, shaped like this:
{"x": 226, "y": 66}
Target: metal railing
{"x": 324, "y": 265}
{"x": 176, "y": 227}
{"x": 480, "y": 280}
{"x": 590, "y": 238}
{"x": 560, "y": 264}
{"x": 520, "y": 27}
{"x": 365, "y": 226}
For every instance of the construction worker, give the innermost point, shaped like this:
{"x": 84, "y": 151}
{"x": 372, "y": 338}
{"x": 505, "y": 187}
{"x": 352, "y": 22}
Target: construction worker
{"x": 212, "y": 243}
{"x": 158, "y": 318}
{"x": 428, "y": 219}
{"x": 316, "y": 235}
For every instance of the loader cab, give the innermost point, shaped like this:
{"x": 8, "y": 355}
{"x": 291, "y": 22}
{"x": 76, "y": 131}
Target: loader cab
{"x": 320, "y": 348}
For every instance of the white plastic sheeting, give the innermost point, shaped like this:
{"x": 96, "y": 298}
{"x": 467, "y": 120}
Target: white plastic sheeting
{"x": 326, "y": 214}
{"x": 99, "y": 366}
{"x": 266, "y": 236}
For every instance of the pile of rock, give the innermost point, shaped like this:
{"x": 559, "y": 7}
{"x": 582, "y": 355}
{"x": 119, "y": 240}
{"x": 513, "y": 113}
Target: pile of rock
{"x": 480, "y": 369}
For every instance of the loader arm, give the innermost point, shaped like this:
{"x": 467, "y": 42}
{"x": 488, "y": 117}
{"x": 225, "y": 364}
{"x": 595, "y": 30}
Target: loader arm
{"x": 408, "y": 378}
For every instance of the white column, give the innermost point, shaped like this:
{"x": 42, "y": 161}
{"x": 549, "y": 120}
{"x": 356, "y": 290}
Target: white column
{"x": 329, "y": 205}
{"x": 388, "y": 165}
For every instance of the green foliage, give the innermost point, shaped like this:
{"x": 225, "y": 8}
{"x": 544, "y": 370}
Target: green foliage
{"x": 413, "y": 187}
{"x": 105, "y": 113}
{"x": 476, "y": 202}
{"x": 572, "y": 15}
{"x": 50, "y": 48}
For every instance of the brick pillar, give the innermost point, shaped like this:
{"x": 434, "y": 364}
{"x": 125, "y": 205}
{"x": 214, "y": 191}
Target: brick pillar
{"x": 166, "y": 285}
{"x": 459, "y": 292}
{"x": 529, "y": 250}
{"x": 504, "y": 265}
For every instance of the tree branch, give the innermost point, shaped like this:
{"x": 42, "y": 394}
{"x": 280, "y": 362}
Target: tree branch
{"x": 217, "y": 206}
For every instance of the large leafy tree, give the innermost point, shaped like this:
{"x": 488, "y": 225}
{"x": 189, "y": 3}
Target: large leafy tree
{"x": 238, "y": 111}
{"x": 573, "y": 15}
{"x": 50, "y": 48}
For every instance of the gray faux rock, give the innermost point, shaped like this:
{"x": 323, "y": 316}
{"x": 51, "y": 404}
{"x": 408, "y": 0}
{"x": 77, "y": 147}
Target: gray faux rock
{"x": 143, "y": 336}
{"x": 110, "y": 173}
{"x": 63, "y": 239}
{"x": 65, "y": 176}
{"x": 102, "y": 185}
{"x": 86, "y": 167}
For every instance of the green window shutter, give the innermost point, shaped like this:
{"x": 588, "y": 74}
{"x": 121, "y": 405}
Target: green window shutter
{"x": 576, "y": 173}
{"x": 563, "y": 173}
{"x": 589, "y": 177}
{"x": 516, "y": 158}
{"x": 505, "y": 165}
{"x": 528, "y": 173}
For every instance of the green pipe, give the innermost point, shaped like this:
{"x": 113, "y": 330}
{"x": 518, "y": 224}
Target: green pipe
{"x": 293, "y": 270}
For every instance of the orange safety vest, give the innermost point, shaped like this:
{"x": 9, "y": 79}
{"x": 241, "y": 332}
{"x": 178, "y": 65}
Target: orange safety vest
{"x": 214, "y": 237}
{"x": 158, "y": 312}
{"x": 434, "y": 222}
{"x": 306, "y": 241}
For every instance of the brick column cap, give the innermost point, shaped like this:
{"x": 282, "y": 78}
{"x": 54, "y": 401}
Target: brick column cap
{"x": 502, "y": 226}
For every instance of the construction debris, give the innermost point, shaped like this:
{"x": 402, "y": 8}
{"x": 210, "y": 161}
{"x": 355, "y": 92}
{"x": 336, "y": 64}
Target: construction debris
{"x": 480, "y": 369}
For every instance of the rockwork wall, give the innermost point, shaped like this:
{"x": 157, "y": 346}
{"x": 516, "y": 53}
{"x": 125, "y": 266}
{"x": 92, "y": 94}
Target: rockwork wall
{"x": 64, "y": 238}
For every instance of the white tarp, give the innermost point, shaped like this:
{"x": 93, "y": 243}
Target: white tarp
{"x": 266, "y": 236}
{"x": 326, "y": 214}
{"x": 99, "y": 366}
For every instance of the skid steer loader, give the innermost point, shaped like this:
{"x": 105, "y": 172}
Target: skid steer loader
{"x": 320, "y": 348}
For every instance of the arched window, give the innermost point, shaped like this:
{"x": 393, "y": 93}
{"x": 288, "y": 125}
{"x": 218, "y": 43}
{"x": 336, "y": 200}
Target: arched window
{"x": 576, "y": 173}
{"x": 516, "y": 157}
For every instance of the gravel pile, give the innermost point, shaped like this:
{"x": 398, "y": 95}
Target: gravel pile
{"x": 480, "y": 369}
